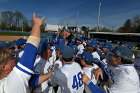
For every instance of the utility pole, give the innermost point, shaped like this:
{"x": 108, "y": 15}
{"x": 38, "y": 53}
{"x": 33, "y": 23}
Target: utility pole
{"x": 98, "y": 19}
{"x": 112, "y": 28}
{"x": 77, "y": 21}
{"x": 67, "y": 22}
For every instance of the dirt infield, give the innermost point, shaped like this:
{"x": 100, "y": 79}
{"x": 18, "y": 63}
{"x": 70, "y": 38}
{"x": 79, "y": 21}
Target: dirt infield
{"x": 11, "y": 38}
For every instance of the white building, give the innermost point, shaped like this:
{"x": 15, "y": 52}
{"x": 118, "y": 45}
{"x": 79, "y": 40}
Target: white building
{"x": 52, "y": 28}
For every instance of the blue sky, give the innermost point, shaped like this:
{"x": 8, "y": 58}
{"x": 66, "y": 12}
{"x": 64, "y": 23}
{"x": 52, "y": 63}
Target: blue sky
{"x": 113, "y": 12}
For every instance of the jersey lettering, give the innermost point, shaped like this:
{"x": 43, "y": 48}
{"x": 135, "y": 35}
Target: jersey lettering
{"x": 77, "y": 81}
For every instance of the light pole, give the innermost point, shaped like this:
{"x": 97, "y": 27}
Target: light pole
{"x": 98, "y": 17}
{"x": 77, "y": 15}
{"x": 112, "y": 28}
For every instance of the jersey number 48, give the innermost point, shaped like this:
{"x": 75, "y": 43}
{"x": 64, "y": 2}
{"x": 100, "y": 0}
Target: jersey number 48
{"x": 77, "y": 81}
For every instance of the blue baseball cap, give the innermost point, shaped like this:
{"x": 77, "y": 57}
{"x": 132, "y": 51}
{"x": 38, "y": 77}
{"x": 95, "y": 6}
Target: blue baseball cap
{"x": 75, "y": 48}
{"x": 123, "y": 52}
{"x": 4, "y": 44}
{"x": 67, "y": 52}
{"x": 12, "y": 44}
{"x": 59, "y": 48}
{"x": 43, "y": 45}
{"x": 89, "y": 44}
{"x": 20, "y": 41}
{"x": 87, "y": 56}
{"x": 92, "y": 44}
{"x": 107, "y": 45}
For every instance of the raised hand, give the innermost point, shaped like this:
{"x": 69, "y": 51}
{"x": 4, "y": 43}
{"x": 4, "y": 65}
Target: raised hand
{"x": 38, "y": 21}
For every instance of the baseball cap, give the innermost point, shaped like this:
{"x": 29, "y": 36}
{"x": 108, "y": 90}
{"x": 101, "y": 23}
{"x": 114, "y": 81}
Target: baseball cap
{"x": 92, "y": 44}
{"x": 75, "y": 48}
{"x": 20, "y": 41}
{"x": 123, "y": 52}
{"x": 12, "y": 44}
{"x": 43, "y": 46}
{"x": 87, "y": 56}
{"x": 67, "y": 52}
{"x": 59, "y": 48}
{"x": 4, "y": 44}
{"x": 107, "y": 45}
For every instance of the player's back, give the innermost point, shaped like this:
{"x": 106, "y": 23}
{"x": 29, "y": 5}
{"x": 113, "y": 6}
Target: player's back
{"x": 70, "y": 78}
{"x": 125, "y": 79}
{"x": 89, "y": 72}
{"x": 137, "y": 65}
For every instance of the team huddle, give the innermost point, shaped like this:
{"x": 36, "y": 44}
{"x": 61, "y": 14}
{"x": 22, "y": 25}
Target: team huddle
{"x": 66, "y": 64}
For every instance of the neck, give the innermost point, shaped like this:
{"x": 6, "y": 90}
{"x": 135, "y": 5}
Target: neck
{"x": 87, "y": 65}
{"x": 64, "y": 62}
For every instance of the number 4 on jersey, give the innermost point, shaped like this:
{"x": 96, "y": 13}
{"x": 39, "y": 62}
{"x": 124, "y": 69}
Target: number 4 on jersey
{"x": 77, "y": 81}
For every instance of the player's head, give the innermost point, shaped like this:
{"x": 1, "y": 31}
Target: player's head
{"x": 7, "y": 61}
{"x": 121, "y": 55}
{"x": 91, "y": 46}
{"x": 21, "y": 43}
{"x": 67, "y": 54}
{"x": 86, "y": 59}
{"x": 79, "y": 41}
{"x": 106, "y": 47}
{"x": 46, "y": 51}
{"x": 58, "y": 51}
{"x": 13, "y": 45}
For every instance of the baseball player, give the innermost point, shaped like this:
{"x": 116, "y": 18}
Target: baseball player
{"x": 58, "y": 62}
{"x": 137, "y": 63}
{"x": 68, "y": 77}
{"x": 88, "y": 67}
{"x": 80, "y": 46}
{"x": 43, "y": 67}
{"x": 121, "y": 71}
{"x": 15, "y": 79}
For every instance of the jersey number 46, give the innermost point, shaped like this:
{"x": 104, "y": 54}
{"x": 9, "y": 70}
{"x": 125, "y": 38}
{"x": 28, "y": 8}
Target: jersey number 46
{"x": 77, "y": 81}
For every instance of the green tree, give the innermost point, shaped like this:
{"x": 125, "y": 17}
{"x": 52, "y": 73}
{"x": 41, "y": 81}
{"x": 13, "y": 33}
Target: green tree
{"x": 135, "y": 23}
{"x": 7, "y": 18}
{"x": 104, "y": 29}
{"x": 85, "y": 29}
{"x": 19, "y": 18}
{"x": 127, "y": 27}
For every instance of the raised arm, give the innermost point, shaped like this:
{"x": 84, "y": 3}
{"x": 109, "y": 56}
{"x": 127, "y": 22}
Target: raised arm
{"x": 17, "y": 80}
{"x": 26, "y": 64}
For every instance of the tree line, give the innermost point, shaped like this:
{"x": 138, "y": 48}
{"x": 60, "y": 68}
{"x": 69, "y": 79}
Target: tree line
{"x": 15, "y": 21}
{"x": 130, "y": 26}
